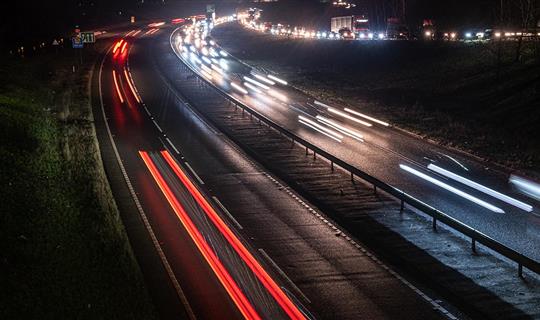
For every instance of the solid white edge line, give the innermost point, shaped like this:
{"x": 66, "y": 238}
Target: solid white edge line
{"x": 155, "y": 242}
{"x": 172, "y": 145}
{"x": 420, "y": 293}
{"x": 194, "y": 173}
{"x": 227, "y": 212}
{"x": 283, "y": 274}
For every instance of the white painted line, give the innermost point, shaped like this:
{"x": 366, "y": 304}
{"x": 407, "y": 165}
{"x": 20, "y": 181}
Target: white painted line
{"x": 172, "y": 145}
{"x": 155, "y": 242}
{"x": 159, "y": 128}
{"x": 227, "y": 212}
{"x": 147, "y": 112}
{"x": 194, "y": 173}
{"x": 278, "y": 269}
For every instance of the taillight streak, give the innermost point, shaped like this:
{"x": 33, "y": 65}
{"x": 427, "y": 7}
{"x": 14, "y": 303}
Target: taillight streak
{"x": 277, "y": 293}
{"x": 115, "y": 79}
{"x": 209, "y": 255}
{"x": 131, "y": 85}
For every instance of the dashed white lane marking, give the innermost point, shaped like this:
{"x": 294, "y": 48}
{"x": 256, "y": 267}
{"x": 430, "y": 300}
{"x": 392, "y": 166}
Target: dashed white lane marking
{"x": 149, "y": 229}
{"x": 194, "y": 173}
{"x": 283, "y": 274}
{"x": 337, "y": 230}
{"x": 172, "y": 145}
{"x": 227, "y": 213}
{"x": 157, "y": 125}
{"x": 435, "y": 305}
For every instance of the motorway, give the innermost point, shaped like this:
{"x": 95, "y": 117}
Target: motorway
{"x": 457, "y": 184}
{"x": 224, "y": 227}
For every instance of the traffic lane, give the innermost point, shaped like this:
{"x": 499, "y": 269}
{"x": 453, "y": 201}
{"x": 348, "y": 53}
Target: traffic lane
{"x": 334, "y": 272}
{"x": 402, "y": 145}
{"x": 156, "y": 98}
{"x": 393, "y": 141}
{"x": 514, "y": 228}
{"x": 206, "y": 295}
{"x": 515, "y": 236}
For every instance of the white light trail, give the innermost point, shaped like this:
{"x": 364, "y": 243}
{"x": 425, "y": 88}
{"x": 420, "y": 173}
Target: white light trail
{"x": 223, "y": 53}
{"x": 218, "y": 69}
{"x": 264, "y": 79}
{"x": 451, "y": 189}
{"x": 480, "y": 188}
{"x": 278, "y": 95}
{"x": 346, "y": 131}
{"x": 239, "y": 88}
{"x": 276, "y": 79}
{"x": 455, "y": 161}
{"x": 321, "y": 129}
{"x": 205, "y": 59}
{"x": 344, "y": 115}
{"x": 257, "y": 83}
{"x": 252, "y": 87}
{"x": 386, "y": 124}
{"x": 530, "y": 188}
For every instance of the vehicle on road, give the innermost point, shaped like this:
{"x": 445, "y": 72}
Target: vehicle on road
{"x": 351, "y": 26}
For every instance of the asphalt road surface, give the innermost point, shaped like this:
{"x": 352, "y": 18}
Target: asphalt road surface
{"x": 188, "y": 177}
{"x": 380, "y": 150}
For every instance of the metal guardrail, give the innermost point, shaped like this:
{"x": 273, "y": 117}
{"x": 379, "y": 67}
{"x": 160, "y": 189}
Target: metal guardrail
{"x": 404, "y": 198}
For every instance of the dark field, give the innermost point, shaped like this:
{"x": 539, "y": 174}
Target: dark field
{"x": 64, "y": 251}
{"x": 455, "y": 93}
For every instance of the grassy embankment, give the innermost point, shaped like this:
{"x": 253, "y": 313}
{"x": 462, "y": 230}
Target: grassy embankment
{"x": 451, "y": 92}
{"x": 64, "y": 250}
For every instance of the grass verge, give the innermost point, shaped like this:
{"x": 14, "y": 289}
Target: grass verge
{"x": 64, "y": 250}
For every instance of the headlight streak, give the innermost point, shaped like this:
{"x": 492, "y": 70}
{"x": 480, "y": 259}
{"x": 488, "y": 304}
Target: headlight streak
{"x": 346, "y": 131}
{"x": 344, "y": 115}
{"x": 205, "y": 59}
{"x": 252, "y": 87}
{"x": 276, "y": 79}
{"x": 264, "y": 79}
{"x": 525, "y": 186}
{"x": 455, "y": 161}
{"x": 386, "y": 124}
{"x": 327, "y": 132}
{"x": 239, "y": 88}
{"x": 257, "y": 83}
{"x": 451, "y": 189}
{"x": 218, "y": 69}
{"x": 481, "y": 188}
{"x": 278, "y": 95}
{"x": 223, "y": 53}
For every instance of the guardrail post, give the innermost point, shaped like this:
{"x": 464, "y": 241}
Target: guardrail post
{"x": 314, "y": 154}
{"x": 434, "y": 223}
{"x": 473, "y": 245}
{"x": 402, "y": 206}
{"x": 520, "y": 270}
{"x": 375, "y": 189}
{"x": 332, "y": 165}
{"x": 243, "y": 112}
{"x": 307, "y": 151}
{"x": 352, "y": 177}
